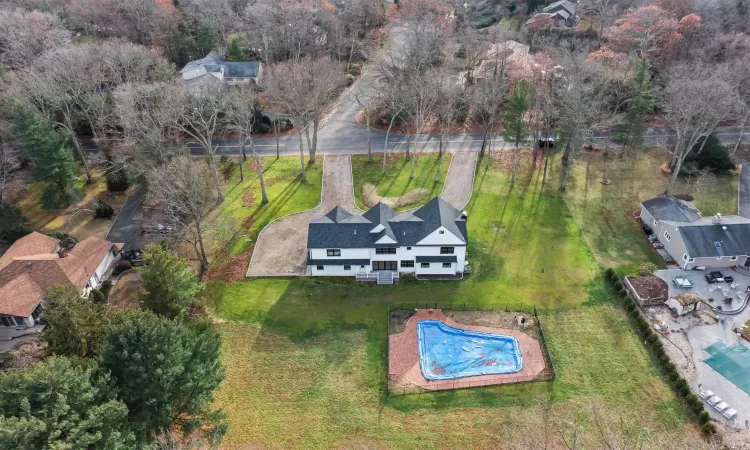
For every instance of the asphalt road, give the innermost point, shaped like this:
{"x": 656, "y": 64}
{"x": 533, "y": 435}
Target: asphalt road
{"x": 743, "y": 202}
{"x": 352, "y": 139}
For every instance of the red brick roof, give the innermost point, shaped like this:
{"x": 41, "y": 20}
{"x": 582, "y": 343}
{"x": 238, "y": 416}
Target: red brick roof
{"x": 31, "y": 266}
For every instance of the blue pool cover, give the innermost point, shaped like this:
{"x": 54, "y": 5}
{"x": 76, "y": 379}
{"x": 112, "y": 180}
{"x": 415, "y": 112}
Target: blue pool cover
{"x": 447, "y": 353}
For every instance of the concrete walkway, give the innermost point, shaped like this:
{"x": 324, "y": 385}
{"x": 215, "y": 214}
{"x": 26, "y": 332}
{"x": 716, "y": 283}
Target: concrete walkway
{"x": 743, "y": 201}
{"x": 281, "y": 248}
{"x": 459, "y": 182}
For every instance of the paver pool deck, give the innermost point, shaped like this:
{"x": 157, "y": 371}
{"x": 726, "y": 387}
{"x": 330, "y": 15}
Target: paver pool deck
{"x": 403, "y": 355}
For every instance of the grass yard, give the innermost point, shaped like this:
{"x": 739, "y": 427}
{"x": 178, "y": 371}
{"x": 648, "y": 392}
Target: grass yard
{"x": 77, "y": 219}
{"x": 397, "y": 185}
{"x": 286, "y": 193}
{"x": 604, "y": 212}
{"x": 306, "y": 357}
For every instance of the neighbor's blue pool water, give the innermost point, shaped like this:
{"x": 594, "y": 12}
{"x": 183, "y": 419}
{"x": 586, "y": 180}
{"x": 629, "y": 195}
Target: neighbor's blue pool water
{"x": 447, "y": 353}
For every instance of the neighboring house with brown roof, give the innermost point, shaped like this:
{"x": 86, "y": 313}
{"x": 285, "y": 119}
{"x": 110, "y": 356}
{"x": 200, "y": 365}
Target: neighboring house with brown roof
{"x": 499, "y": 55}
{"x": 36, "y": 262}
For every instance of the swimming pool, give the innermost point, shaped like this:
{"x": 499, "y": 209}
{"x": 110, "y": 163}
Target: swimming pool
{"x": 447, "y": 353}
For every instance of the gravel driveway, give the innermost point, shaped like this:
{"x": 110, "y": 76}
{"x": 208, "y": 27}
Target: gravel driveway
{"x": 459, "y": 183}
{"x": 281, "y": 248}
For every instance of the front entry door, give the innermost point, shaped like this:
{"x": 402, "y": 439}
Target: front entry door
{"x": 384, "y": 265}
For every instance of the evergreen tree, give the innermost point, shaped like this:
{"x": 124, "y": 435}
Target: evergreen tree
{"x": 234, "y": 51}
{"x": 165, "y": 372}
{"x": 76, "y": 326}
{"x": 206, "y": 39}
{"x": 514, "y": 128}
{"x": 53, "y": 159}
{"x": 640, "y": 106}
{"x": 169, "y": 282}
{"x": 59, "y": 404}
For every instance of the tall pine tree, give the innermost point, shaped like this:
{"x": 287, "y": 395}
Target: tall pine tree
{"x": 169, "y": 282}
{"x": 52, "y": 157}
{"x": 514, "y": 128}
{"x": 165, "y": 372}
{"x": 61, "y": 404}
{"x": 640, "y": 106}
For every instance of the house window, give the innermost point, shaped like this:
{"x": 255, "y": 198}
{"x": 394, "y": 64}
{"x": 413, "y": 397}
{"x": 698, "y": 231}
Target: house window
{"x": 319, "y": 267}
{"x": 691, "y": 260}
{"x": 333, "y": 252}
{"x": 441, "y": 232}
{"x": 347, "y": 267}
{"x": 385, "y": 251}
{"x": 733, "y": 258}
{"x": 447, "y": 265}
{"x": 667, "y": 236}
{"x": 407, "y": 263}
{"x": 684, "y": 257}
{"x": 408, "y": 248}
{"x": 362, "y": 266}
{"x": 719, "y": 257}
{"x": 384, "y": 265}
{"x": 425, "y": 265}
{"x": 446, "y": 250}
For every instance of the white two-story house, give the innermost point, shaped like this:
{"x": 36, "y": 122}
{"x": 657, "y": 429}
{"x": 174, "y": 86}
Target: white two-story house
{"x": 429, "y": 241}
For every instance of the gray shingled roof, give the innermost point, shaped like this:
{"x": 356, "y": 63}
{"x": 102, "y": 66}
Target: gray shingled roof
{"x": 671, "y": 209}
{"x": 569, "y": 6}
{"x": 713, "y": 240}
{"x": 213, "y": 62}
{"x": 337, "y": 262}
{"x": 340, "y": 229}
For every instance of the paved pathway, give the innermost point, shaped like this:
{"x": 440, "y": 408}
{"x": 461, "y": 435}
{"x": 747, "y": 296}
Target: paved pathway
{"x": 281, "y": 248}
{"x": 743, "y": 202}
{"x": 126, "y": 228}
{"x": 459, "y": 182}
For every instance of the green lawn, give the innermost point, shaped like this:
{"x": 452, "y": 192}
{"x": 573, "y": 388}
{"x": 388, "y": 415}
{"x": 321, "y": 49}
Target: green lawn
{"x": 604, "y": 212}
{"x": 286, "y": 194}
{"x": 306, "y": 357}
{"x": 397, "y": 180}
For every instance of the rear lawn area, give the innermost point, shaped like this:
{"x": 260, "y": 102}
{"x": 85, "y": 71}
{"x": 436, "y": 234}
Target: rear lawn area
{"x": 306, "y": 357}
{"x": 77, "y": 219}
{"x": 605, "y": 212}
{"x": 286, "y": 194}
{"x": 397, "y": 185}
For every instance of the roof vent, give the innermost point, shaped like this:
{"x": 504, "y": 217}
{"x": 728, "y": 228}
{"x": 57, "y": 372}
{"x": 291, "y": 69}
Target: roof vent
{"x": 717, "y": 219}
{"x": 355, "y": 231}
{"x": 464, "y": 215}
{"x": 27, "y": 264}
{"x": 724, "y": 228}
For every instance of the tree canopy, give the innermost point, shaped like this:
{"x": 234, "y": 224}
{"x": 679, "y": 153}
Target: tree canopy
{"x": 169, "y": 282}
{"x": 63, "y": 405}
{"x": 76, "y": 326}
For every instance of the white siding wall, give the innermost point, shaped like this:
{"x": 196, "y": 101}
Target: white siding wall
{"x": 402, "y": 254}
{"x": 97, "y": 277}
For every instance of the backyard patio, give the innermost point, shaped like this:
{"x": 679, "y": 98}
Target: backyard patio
{"x": 733, "y": 285}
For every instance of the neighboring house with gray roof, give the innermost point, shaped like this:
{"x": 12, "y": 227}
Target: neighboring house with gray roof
{"x": 562, "y": 13}
{"x": 693, "y": 240}
{"x": 430, "y": 240}
{"x": 213, "y": 68}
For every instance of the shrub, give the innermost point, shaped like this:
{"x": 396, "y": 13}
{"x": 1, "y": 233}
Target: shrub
{"x": 461, "y": 112}
{"x": 714, "y": 156}
{"x": 618, "y": 285}
{"x": 284, "y": 124}
{"x": 117, "y": 180}
{"x": 103, "y": 210}
{"x": 704, "y": 417}
{"x": 709, "y": 429}
{"x": 13, "y": 224}
{"x": 97, "y": 296}
{"x": 263, "y": 128}
{"x": 622, "y": 293}
{"x": 611, "y": 275}
{"x": 55, "y": 198}
{"x": 647, "y": 269}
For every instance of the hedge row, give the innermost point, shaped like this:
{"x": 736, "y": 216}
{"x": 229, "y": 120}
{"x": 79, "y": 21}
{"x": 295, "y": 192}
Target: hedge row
{"x": 655, "y": 346}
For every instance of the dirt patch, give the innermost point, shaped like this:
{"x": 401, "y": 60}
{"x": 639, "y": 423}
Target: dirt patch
{"x": 231, "y": 270}
{"x": 126, "y": 291}
{"x": 504, "y": 158}
{"x": 371, "y": 197}
{"x": 248, "y": 199}
{"x": 27, "y": 354}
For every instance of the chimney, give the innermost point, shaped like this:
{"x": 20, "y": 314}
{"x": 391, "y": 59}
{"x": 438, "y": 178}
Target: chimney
{"x": 27, "y": 264}
{"x": 717, "y": 219}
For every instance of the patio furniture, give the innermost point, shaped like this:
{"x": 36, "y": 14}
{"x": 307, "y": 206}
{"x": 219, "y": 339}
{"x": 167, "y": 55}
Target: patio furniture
{"x": 714, "y": 277}
{"x": 721, "y": 406}
{"x": 730, "y": 413}
{"x": 734, "y": 285}
{"x": 728, "y": 279}
{"x": 705, "y": 394}
{"x": 714, "y": 400}
{"x": 682, "y": 283}
{"x": 728, "y": 300}
{"x": 712, "y": 288}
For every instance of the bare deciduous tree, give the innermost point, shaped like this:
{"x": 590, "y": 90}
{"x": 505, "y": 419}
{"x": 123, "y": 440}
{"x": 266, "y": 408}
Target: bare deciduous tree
{"x": 184, "y": 186}
{"x": 241, "y": 115}
{"x": 26, "y": 35}
{"x": 305, "y": 87}
{"x": 696, "y": 98}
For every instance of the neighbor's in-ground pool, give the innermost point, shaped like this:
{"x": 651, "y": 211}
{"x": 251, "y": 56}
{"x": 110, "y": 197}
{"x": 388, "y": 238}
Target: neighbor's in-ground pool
{"x": 447, "y": 353}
